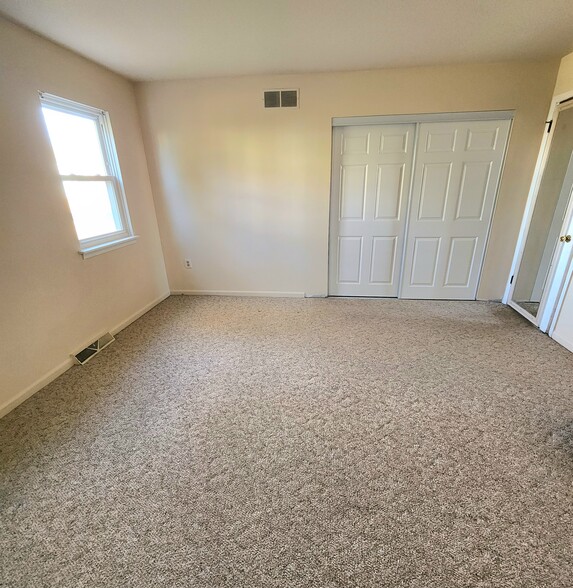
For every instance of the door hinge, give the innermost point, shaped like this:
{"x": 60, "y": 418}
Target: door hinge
{"x": 550, "y": 124}
{"x": 511, "y": 281}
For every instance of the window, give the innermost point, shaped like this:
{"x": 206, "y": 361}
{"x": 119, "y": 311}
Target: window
{"x": 85, "y": 154}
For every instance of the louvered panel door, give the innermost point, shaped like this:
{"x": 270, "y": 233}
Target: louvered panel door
{"x": 457, "y": 171}
{"x": 371, "y": 170}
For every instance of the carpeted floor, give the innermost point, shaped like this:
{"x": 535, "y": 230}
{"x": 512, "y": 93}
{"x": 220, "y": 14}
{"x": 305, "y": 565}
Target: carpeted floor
{"x": 262, "y": 443}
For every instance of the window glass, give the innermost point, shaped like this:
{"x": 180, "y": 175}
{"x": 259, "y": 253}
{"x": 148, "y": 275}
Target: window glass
{"x": 76, "y": 143}
{"x": 92, "y": 208}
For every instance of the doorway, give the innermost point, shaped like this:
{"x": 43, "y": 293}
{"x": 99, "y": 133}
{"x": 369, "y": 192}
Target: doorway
{"x": 547, "y": 245}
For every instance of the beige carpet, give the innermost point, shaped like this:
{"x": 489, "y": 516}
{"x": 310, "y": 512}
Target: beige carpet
{"x": 262, "y": 443}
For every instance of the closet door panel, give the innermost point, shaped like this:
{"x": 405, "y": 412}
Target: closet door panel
{"x": 371, "y": 169}
{"x": 457, "y": 172}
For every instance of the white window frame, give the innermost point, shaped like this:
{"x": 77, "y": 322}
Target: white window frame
{"x": 125, "y": 236}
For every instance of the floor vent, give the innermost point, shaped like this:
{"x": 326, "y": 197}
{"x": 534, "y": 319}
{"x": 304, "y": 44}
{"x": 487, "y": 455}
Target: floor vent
{"x": 86, "y": 354}
{"x": 281, "y": 98}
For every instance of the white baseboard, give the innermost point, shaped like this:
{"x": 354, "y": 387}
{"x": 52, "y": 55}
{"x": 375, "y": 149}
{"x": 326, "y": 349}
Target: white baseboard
{"x": 138, "y": 314}
{"x": 37, "y": 385}
{"x": 267, "y": 294}
{"x": 56, "y": 372}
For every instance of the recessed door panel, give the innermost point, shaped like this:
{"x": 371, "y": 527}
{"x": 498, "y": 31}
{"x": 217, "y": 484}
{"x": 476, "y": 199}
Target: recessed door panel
{"x": 435, "y": 184}
{"x": 457, "y": 172}
{"x": 395, "y": 142}
{"x": 460, "y": 261}
{"x": 349, "y": 259}
{"x": 383, "y": 260}
{"x": 372, "y": 167}
{"x": 358, "y": 143}
{"x": 441, "y": 141}
{"x": 485, "y": 140}
{"x": 473, "y": 190}
{"x": 353, "y": 191}
{"x": 389, "y": 191}
{"x": 425, "y": 261}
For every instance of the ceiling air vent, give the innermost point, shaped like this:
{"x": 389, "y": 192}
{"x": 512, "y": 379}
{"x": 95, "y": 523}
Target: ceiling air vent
{"x": 281, "y": 98}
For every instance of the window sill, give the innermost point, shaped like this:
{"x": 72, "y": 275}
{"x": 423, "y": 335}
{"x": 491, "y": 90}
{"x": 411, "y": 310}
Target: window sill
{"x": 99, "y": 249}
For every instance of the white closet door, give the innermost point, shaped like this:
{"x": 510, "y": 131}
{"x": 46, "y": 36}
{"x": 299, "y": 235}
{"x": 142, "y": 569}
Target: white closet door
{"x": 563, "y": 331}
{"x": 371, "y": 169}
{"x": 456, "y": 176}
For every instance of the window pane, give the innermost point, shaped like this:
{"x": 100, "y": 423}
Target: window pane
{"x": 93, "y": 210}
{"x": 76, "y": 143}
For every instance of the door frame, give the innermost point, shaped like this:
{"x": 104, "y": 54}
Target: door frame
{"x": 417, "y": 120}
{"x": 548, "y": 308}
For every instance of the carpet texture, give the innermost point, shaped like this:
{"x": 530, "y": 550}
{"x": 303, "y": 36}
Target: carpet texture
{"x": 262, "y": 443}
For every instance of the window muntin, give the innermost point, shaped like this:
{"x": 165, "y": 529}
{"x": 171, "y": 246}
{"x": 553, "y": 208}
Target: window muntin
{"x": 84, "y": 149}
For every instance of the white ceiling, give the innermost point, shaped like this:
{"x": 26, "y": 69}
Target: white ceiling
{"x": 167, "y": 39}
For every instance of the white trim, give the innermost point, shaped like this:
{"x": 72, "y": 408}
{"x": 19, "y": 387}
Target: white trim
{"x": 11, "y": 404}
{"x": 67, "y": 105}
{"x": 260, "y": 293}
{"x": 329, "y": 210}
{"x": 56, "y": 372}
{"x": 391, "y": 119}
{"x": 99, "y": 249}
{"x": 132, "y": 318}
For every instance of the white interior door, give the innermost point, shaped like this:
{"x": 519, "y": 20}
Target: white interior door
{"x": 457, "y": 171}
{"x": 371, "y": 170}
{"x": 541, "y": 258}
{"x": 563, "y": 329}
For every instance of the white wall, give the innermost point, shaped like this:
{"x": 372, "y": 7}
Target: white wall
{"x": 52, "y": 302}
{"x": 244, "y": 192}
{"x": 565, "y": 76}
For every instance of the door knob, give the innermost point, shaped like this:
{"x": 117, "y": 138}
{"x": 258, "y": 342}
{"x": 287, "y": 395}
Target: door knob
{"x": 565, "y": 238}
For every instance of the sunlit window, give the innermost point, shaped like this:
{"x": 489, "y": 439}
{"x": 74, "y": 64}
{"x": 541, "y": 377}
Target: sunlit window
{"x": 87, "y": 163}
